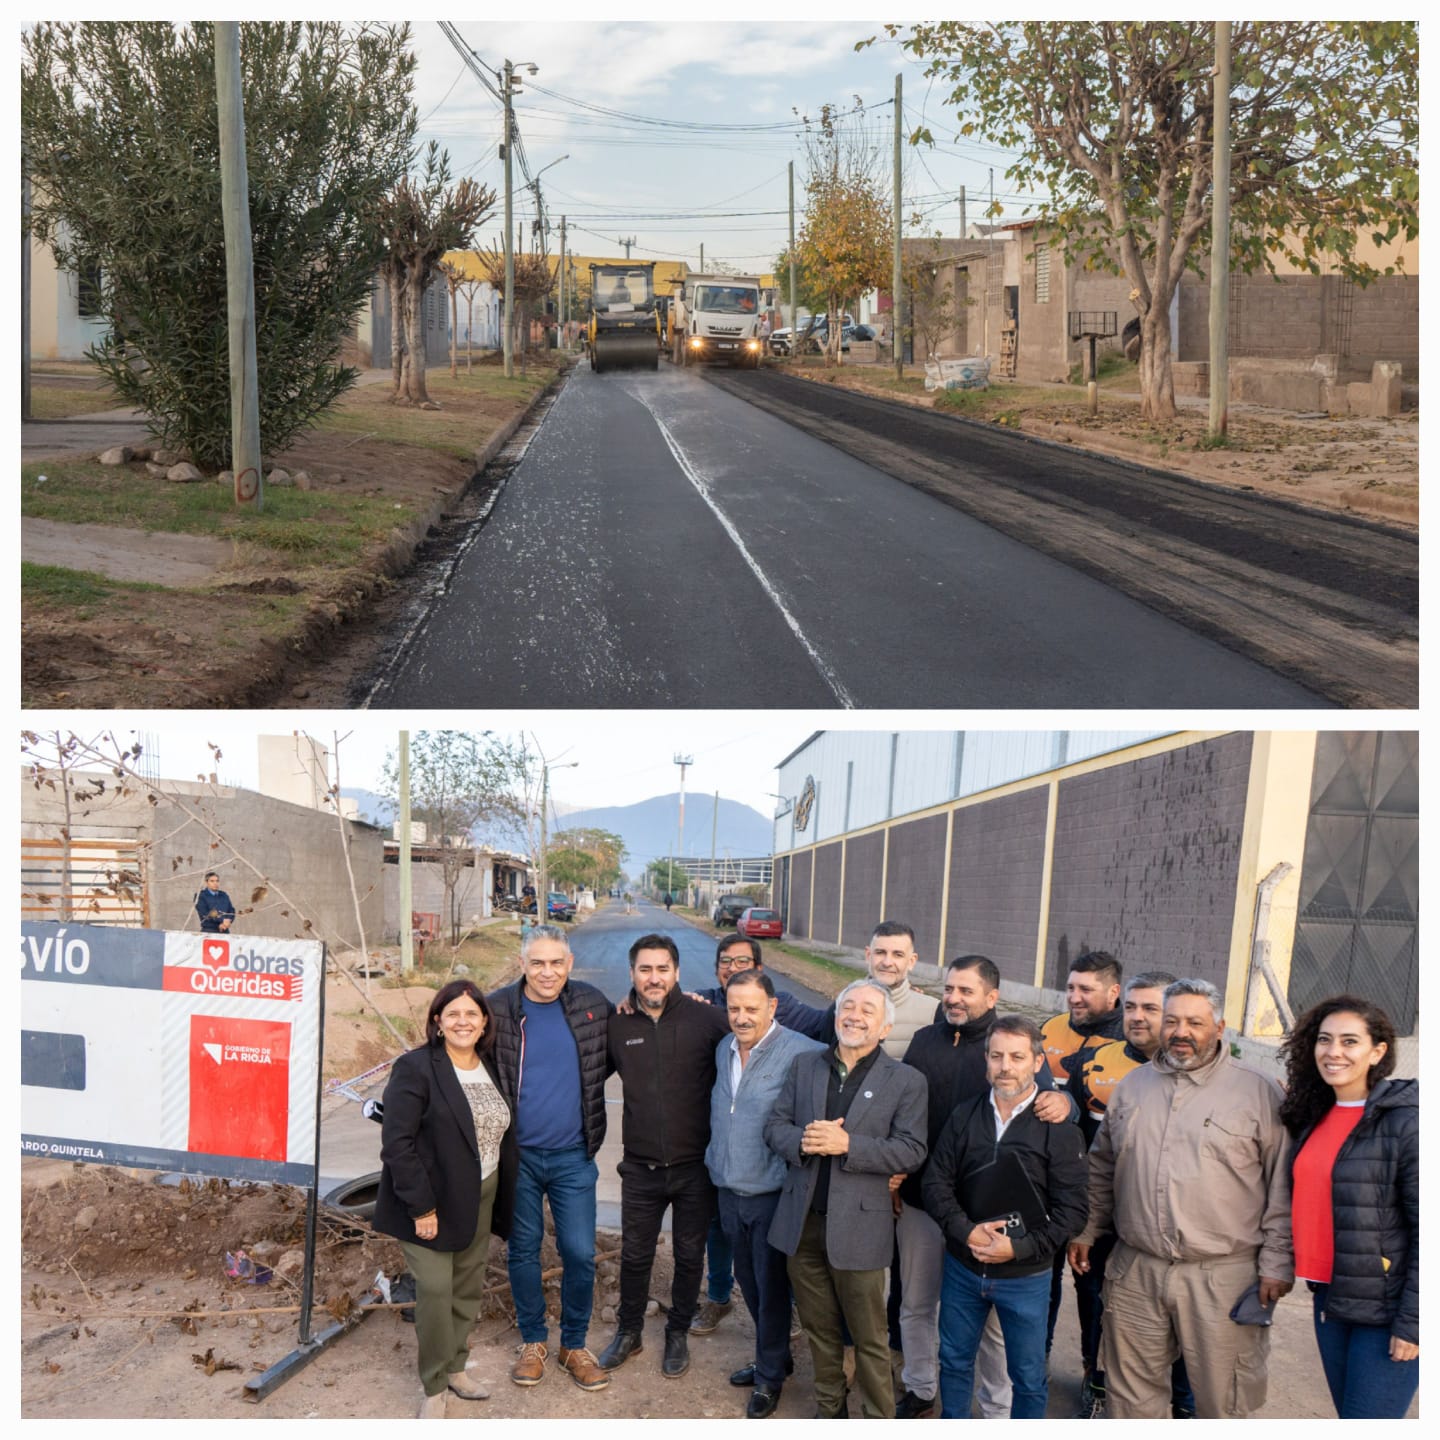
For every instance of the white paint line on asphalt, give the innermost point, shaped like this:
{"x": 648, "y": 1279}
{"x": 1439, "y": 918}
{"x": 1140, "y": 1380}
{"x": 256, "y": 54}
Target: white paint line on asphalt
{"x": 703, "y": 490}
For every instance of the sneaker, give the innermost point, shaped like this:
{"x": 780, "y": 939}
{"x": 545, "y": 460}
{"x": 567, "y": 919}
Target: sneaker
{"x": 432, "y": 1407}
{"x": 584, "y": 1369}
{"x": 467, "y": 1387}
{"x": 911, "y": 1407}
{"x": 1092, "y": 1404}
{"x": 529, "y": 1369}
{"x": 709, "y": 1315}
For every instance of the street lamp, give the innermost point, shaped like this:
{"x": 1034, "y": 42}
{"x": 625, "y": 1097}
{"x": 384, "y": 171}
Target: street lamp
{"x": 543, "y": 888}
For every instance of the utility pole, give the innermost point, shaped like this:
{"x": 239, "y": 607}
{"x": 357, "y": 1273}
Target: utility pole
{"x": 239, "y": 269}
{"x": 407, "y": 901}
{"x": 714, "y": 823}
{"x": 683, "y": 761}
{"x": 561, "y": 273}
{"x": 25, "y": 285}
{"x": 962, "y": 212}
{"x": 542, "y": 890}
{"x": 507, "y": 85}
{"x": 794, "y": 327}
{"x": 897, "y": 280}
{"x": 702, "y": 257}
{"x": 627, "y": 244}
{"x": 1220, "y": 242}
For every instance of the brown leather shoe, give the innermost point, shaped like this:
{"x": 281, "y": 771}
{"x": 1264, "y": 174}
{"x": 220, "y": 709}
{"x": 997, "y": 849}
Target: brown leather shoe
{"x": 583, "y": 1369}
{"x": 529, "y": 1369}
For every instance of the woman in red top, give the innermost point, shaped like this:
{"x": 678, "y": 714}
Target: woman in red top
{"x": 1355, "y": 1202}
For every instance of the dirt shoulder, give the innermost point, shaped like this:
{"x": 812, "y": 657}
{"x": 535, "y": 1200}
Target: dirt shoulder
{"x": 1355, "y": 465}
{"x": 277, "y": 585}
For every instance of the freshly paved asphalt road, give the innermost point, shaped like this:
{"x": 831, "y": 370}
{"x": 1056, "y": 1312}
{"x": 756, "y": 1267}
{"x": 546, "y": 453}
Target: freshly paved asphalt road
{"x": 663, "y": 542}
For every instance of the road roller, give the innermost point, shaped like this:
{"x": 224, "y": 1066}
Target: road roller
{"x": 624, "y": 318}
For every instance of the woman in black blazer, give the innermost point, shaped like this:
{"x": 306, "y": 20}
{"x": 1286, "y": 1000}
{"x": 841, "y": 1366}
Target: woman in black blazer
{"x": 448, "y": 1181}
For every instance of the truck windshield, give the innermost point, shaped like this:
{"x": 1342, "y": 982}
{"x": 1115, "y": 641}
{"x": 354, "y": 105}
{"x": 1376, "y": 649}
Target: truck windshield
{"x": 727, "y": 299}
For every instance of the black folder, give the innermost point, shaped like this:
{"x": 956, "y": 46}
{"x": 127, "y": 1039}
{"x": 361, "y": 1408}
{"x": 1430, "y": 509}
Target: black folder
{"x": 1002, "y": 1187}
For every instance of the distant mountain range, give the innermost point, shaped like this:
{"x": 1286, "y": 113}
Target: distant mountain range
{"x": 648, "y": 827}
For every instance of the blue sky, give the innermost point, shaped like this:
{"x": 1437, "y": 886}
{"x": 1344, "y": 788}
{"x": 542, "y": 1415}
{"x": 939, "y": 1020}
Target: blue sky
{"x": 626, "y": 178}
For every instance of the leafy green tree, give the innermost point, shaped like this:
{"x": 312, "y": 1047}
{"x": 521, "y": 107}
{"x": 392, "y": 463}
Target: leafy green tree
{"x": 1114, "y": 121}
{"x": 667, "y": 875}
{"x": 122, "y": 139}
{"x": 460, "y": 784}
{"x": 585, "y": 856}
{"x": 845, "y": 240}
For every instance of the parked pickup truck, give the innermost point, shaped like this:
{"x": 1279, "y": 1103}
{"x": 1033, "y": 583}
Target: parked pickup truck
{"x": 729, "y": 908}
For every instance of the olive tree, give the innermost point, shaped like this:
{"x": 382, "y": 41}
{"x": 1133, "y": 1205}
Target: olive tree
{"x": 1114, "y": 120}
{"x": 121, "y": 138}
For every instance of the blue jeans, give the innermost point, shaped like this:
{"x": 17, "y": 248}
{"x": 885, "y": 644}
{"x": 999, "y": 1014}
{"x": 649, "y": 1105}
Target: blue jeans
{"x": 568, "y": 1177}
{"x": 1365, "y": 1383}
{"x": 1021, "y": 1303}
{"x": 720, "y": 1280}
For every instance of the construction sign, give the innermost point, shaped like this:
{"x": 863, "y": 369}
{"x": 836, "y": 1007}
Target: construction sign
{"x": 171, "y": 1051}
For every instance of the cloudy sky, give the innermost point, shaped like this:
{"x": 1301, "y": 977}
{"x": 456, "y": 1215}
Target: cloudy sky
{"x": 633, "y": 105}
{"x": 623, "y": 756}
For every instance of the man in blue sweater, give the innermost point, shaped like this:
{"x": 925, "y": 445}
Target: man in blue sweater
{"x": 750, "y": 1068}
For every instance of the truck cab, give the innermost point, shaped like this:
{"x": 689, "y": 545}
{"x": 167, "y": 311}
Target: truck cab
{"x": 716, "y": 318}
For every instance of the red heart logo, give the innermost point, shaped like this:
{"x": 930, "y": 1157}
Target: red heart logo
{"x": 215, "y": 953}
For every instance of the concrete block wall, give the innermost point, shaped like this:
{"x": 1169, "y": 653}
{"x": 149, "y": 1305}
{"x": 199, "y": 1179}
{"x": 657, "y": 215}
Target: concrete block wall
{"x": 826, "y": 910}
{"x": 864, "y": 858}
{"x": 1147, "y": 860}
{"x": 997, "y": 857}
{"x": 914, "y": 879}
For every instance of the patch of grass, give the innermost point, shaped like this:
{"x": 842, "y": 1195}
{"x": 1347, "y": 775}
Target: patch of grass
{"x": 294, "y": 522}
{"x": 60, "y": 402}
{"x": 962, "y": 402}
{"x": 53, "y": 587}
{"x": 1109, "y": 364}
{"x": 470, "y": 407}
{"x": 1222, "y": 442}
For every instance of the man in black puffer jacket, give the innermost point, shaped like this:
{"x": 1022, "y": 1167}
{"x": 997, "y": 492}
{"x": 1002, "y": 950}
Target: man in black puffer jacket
{"x": 950, "y": 1054}
{"x": 552, "y": 1059}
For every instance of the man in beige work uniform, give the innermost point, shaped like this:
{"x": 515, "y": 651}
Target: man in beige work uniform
{"x": 1188, "y": 1171}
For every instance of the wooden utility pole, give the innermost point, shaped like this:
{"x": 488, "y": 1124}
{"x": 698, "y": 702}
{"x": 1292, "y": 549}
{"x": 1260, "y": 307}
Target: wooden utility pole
{"x": 896, "y": 279}
{"x": 407, "y": 901}
{"x": 25, "y": 286}
{"x": 794, "y": 325}
{"x": 561, "y": 273}
{"x": 962, "y": 212}
{"x": 702, "y": 257}
{"x": 714, "y": 823}
{"x": 1220, "y": 242}
{"x": 239, "y": 269}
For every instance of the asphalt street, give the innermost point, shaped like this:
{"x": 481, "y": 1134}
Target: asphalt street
{"x": 663, "y": 542}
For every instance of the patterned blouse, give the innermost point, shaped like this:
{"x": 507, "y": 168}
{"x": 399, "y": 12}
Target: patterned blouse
{"x": 489, "y": 1111}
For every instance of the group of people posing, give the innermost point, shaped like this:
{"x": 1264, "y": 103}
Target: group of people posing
{"x": 917, "y": 1178}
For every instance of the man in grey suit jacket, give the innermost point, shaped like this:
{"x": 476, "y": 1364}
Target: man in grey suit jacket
{"x": 846, "y": 1120}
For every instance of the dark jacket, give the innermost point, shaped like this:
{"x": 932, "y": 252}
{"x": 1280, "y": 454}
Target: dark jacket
{"x": 430, "y": 1158}
{"x": 1054, "y": 1159}
{"x": 952, "y": 1060}
{"x": 587, "y": 1010}
{"x": 1375, "y": 1199}
{"x": 886, "y": 1126}
{"x": 213, "y": 906}
{"x": 668, "y": 1068}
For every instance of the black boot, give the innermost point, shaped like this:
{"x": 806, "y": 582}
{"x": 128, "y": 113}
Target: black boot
{"x": 677, "y": 1355}
{"x": 625, "y": 1344}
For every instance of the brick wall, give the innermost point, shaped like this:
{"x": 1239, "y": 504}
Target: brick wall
{"x": 827, "y": 893}
{"x": 914, "y": 879}
{"x": 1147, "y": 858}
{"x": 864, "y": 857}
{"x": 997, "y": 853}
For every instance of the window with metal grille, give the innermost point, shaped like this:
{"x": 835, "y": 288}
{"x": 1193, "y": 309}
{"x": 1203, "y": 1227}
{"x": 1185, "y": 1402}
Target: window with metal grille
{"x": 1042, "y": 275}
{"x": 87, "y": 289}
